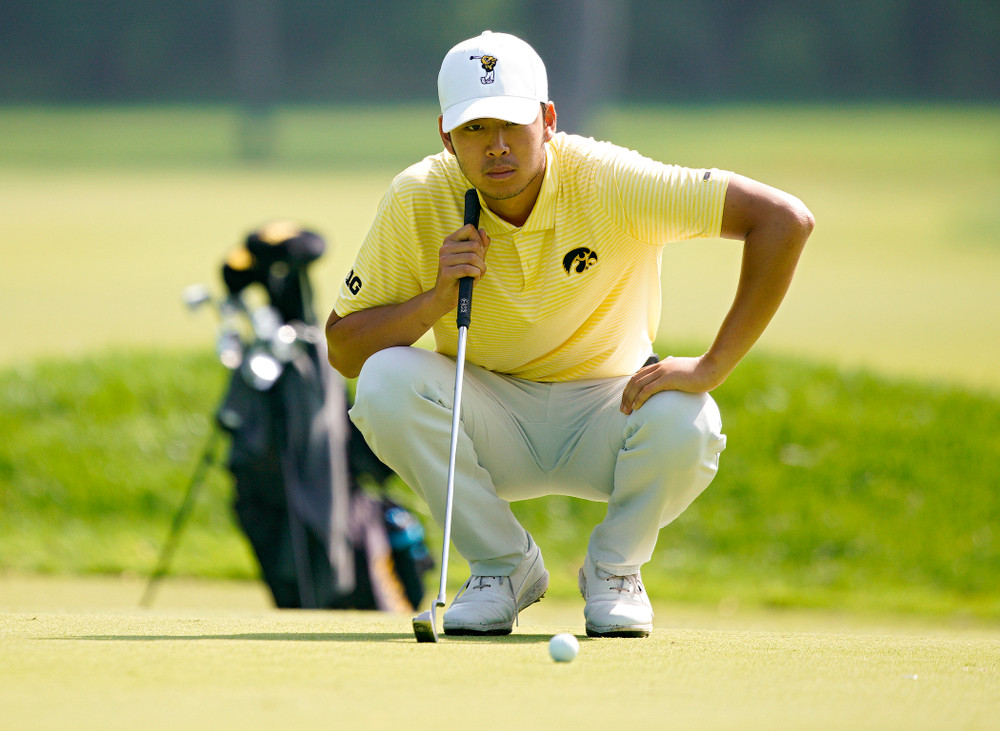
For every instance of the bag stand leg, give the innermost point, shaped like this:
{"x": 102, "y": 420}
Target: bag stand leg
{"x": 180, "y": 519}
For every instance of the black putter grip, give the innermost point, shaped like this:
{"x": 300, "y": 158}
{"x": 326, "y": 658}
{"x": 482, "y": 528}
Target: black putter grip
{"x": 465, "y": 283}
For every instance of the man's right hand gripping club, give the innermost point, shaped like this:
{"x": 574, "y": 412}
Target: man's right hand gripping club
{"x": 353, "y": 339}
{"x": 463, "y": 254}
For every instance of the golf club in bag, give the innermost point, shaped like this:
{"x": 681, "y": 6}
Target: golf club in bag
{"x": 425, "y": 623}
{"x": 297, "y": 461}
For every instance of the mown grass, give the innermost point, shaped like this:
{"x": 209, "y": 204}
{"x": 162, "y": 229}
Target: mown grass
{"x": 837, "y": 488}
{"x": 110, "y": 211}
{"x": 97, "y": 455}
{"x": 265, "y": 670}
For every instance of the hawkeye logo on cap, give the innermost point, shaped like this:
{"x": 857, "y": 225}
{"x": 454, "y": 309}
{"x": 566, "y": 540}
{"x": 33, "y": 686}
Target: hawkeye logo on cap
{"x": 489, "y": 64}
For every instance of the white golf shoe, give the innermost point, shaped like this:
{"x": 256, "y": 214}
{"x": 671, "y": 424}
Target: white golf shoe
{"x": 488, "y": 605}
{"x": 617, "y": 606}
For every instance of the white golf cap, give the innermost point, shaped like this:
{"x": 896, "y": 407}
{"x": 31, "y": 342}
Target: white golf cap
{"x": 495, "y": 76}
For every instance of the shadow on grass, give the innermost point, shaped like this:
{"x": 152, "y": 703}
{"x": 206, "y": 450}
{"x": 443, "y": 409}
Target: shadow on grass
{"x": 512, "y": 639}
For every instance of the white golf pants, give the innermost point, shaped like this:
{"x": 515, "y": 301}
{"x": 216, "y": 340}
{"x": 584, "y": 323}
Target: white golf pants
{"x": 520, "y": 439}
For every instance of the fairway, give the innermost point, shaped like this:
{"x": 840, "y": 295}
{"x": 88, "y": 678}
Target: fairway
{"x": 105, "y": 230}
{"x": 250, "y": 667}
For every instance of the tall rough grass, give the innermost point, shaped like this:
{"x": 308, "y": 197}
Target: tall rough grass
{"x": 837, "y": 489}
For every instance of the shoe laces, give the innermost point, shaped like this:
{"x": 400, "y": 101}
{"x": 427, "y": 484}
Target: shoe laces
{"x": 627, "y": 584}
{"x": 481, "y": 583}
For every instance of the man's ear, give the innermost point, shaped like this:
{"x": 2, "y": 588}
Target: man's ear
{"x": 549, "y": 120}
{"x": 445, "y": 136}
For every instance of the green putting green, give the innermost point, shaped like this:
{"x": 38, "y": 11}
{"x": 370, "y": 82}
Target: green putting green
{"x": 102, "y": 664}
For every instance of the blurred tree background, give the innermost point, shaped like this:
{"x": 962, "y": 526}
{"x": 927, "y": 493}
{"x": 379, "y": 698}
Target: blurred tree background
{"x": 260, "y": 53}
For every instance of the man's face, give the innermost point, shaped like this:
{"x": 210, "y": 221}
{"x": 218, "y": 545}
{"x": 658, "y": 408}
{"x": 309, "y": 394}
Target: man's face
{"x": 505, "y": 161}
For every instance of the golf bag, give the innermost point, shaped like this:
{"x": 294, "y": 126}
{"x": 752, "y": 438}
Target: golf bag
{"x": 322, "y": 541}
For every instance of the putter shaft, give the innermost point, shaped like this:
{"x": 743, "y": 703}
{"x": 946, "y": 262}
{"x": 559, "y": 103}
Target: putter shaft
{"x": 425, "y": 623}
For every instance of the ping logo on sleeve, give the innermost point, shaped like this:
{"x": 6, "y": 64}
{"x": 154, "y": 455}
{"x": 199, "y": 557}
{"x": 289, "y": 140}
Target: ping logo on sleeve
{"x": 353, "y": 282}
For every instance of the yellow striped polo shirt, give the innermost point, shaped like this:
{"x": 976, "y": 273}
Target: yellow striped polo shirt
{"x": 572, "y": 294}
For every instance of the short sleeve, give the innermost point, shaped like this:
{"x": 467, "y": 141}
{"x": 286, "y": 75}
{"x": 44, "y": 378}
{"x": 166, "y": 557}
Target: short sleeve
{"x": 657, "y": 203}
{"x": 383, "y": 271}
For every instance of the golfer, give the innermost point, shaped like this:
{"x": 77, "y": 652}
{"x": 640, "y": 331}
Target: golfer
{"x": 563, "y": 393}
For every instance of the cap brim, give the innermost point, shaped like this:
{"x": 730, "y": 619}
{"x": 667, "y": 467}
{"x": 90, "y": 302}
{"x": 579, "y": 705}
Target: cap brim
{"x": 519, "y": 110}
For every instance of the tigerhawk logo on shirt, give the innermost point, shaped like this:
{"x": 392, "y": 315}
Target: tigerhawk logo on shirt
{"x": 579, "y": 260}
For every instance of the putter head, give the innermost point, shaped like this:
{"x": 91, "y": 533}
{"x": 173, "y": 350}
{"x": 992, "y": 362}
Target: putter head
{"x": 425, "y": 624}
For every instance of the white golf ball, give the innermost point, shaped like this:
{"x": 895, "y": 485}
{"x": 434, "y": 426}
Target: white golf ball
{"x": 563, "y": 647}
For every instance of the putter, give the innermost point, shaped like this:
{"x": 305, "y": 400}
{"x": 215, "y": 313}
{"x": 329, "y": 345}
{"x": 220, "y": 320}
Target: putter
{"x": 425, "y": 623}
